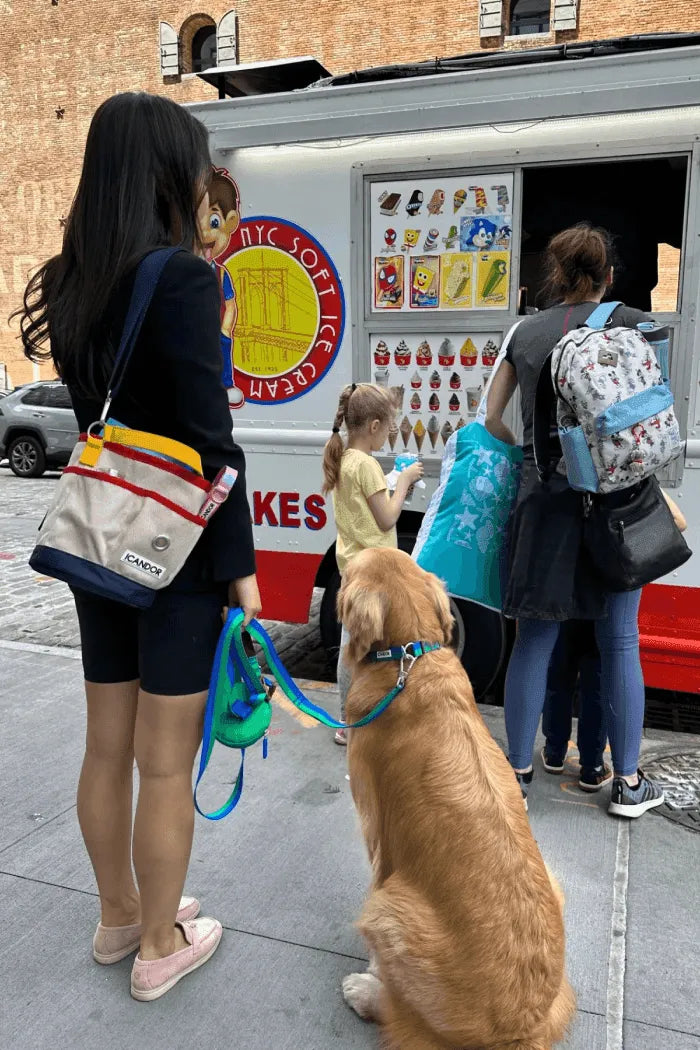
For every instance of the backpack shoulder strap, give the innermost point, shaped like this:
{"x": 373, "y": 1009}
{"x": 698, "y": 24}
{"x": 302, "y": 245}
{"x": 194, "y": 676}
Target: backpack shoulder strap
{"x": 541, "y": 420}
{"x": 602, "y": 314}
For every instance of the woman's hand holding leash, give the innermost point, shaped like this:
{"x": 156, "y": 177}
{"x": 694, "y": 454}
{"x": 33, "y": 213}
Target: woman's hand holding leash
{"x": 245, "y": 594}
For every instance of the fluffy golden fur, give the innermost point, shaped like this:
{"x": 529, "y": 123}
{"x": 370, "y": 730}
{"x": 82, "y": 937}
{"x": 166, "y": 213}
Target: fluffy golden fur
{"x": 463, "y": 921}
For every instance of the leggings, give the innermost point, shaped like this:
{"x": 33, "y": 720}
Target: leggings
{"x": 621, "y": 682}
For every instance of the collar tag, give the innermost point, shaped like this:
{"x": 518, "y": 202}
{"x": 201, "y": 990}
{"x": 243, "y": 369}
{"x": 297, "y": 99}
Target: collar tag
{"x": 384, "y": 654}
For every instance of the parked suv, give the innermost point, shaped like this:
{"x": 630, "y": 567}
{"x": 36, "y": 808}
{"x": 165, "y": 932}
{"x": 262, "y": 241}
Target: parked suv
{"x": 38, "y": 428}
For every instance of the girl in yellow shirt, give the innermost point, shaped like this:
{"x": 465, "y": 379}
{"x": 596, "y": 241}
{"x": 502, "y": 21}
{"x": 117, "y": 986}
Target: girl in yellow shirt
{"x": 365, "y": 513}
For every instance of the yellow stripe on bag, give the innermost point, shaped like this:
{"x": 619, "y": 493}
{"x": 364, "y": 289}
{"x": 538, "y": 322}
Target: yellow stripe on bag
{"x": 155, "y": 443}
{"x": 91, "y": 452}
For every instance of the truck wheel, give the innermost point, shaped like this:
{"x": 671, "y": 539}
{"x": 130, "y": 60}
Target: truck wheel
{"x": 480, "y": 637}
{"x": 26, "y": 456}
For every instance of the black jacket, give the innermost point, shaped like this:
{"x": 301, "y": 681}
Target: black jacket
{"x": 173, "y": 387}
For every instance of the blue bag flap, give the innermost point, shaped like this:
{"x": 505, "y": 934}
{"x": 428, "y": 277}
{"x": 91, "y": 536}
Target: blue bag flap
{"x": 602, "y": 314}
{"x": 635, "y": 409}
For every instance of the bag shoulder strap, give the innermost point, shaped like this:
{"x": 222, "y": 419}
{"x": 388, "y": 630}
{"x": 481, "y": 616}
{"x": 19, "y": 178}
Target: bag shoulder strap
{"x": 481, "y": 411}
{"x": 602, "y": 314}
{"x": 148, "y": 274}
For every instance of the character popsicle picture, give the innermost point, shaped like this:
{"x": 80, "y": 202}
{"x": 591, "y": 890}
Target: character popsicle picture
{"x": 217, "y": 226}
{"x": 493, "y": 274}
{"x": 456, "y": 281}
{"x": 388, "y": 283}
{"x": 425, "y": 281}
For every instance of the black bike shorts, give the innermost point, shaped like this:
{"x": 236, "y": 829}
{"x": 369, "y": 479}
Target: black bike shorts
{"x": 169, "y": 647}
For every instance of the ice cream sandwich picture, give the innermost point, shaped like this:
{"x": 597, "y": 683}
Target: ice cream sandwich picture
{"x": 389, "y": 203}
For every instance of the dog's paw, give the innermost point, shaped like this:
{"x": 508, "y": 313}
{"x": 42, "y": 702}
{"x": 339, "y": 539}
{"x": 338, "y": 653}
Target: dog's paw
{"x": 362, "y": 992}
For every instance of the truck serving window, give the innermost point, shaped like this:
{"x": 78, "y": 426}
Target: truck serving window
{"x": 640, "y": 202}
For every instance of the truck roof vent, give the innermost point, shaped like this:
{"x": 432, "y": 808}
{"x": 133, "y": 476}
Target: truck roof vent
{"x": 264, "y": 78}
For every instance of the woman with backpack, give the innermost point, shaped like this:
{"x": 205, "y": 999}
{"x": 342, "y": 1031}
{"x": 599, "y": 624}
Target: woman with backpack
{"x": 144, "y": 187}
{"x": 550, "y": 578}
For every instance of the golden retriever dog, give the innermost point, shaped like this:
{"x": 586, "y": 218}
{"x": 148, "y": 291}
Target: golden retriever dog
{"x": 463, "y": 922}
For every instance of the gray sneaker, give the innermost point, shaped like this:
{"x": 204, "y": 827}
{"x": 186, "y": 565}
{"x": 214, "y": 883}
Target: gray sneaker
{"x": 632, "y": 802}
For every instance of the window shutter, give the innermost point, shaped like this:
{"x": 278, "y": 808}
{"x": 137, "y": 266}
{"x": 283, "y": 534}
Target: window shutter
{"x": 169, "y": 62}
{"x": 490, "y": 18}
{"x": 565, "y": 15}
{"x": 226, "y": 40}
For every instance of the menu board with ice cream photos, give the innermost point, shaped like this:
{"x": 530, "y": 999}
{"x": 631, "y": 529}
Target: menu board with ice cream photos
{"x": 441, "y": 243}
{"x": 438, "y": 380}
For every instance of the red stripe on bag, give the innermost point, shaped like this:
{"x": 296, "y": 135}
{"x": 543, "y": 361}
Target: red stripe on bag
{"x": 162, "y": 464}
{"x": 99, "y": 475}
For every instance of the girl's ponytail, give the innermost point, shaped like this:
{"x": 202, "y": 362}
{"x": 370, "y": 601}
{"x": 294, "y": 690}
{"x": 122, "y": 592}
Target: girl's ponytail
{"x": 335, "y": 446}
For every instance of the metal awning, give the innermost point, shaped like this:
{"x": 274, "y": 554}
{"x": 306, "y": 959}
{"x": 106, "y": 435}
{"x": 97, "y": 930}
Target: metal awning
{"x": 263, "y": 78}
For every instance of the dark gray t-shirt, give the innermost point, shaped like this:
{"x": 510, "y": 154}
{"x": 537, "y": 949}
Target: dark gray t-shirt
{"x": 537, "y": 335}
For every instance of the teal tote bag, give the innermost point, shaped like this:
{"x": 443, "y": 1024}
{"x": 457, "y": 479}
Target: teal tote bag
{"x": 463, "y": 535}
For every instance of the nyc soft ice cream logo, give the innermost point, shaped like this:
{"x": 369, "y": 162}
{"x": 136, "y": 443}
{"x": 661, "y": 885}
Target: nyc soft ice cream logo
{"x": 290, "y": 309}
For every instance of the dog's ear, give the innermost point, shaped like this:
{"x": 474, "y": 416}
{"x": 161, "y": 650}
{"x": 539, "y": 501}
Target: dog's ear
{"x": 363, "y": 613}
{"x": 442, "y": 608}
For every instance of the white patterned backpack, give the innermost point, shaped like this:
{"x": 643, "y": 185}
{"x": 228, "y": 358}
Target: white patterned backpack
{"x": 615, "y": 415}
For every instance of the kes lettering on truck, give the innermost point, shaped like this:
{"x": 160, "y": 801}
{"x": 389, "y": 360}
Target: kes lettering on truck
{"x": 284, "y": 510}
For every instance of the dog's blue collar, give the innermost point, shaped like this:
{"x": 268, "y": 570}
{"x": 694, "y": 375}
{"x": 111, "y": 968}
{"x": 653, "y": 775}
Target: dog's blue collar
{"x": 405, "y": 654}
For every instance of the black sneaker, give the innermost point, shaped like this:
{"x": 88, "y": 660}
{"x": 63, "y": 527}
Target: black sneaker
{"x": 632, "y": 802}
{"x": 524, "y": 779}
{"x": 552, "y": 762}
{"x": 593, "y": 778}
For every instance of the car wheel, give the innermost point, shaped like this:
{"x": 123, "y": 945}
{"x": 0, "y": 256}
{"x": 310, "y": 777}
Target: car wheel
{"x": 26, "y": 456}
{"x": 479, "y": 638}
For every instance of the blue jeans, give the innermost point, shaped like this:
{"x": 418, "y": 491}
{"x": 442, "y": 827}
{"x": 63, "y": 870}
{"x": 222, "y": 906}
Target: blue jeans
{"x": 621, "y": 682}
{"x": 575, "y": 656}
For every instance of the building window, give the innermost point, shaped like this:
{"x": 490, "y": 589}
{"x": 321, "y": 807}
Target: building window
{"x": 204, "y": 49}
{"x": 197, "y": 44}
{"x": 529, "y": 16}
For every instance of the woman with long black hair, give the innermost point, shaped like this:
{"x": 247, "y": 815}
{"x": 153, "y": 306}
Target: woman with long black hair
{"x": 143, "y": 184}
{"x": 550, "y": 578}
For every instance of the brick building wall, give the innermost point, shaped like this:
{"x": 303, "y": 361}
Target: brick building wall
{"x": 60, "y": 59}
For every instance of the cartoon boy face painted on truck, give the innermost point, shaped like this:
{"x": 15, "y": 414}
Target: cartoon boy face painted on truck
{"x": 218, "y": 227}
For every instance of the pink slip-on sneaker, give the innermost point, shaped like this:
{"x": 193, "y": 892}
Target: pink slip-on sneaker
{"x": 111, "y": 944}
{"x": 151, "y": 978}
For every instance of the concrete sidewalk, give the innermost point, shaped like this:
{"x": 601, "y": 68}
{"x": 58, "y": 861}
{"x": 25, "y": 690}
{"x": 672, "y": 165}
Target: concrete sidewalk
{"x": 286, "y": 874}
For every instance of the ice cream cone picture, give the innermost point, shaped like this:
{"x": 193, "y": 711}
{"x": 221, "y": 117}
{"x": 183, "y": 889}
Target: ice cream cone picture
{"x": 419, "y": 434}
{"x": 446, "y": 353}
{"x": 398, "y": 393}
{"x": 461, "y": 422}
{"x": 433, "y": 430}
{"x": 415, "y": 402}
{"x": 447, "y": 431}
{"x": 424, "y": 355}
{"x": 402, "y": 355}
{"x": 458, "y": 200}
{"x": 436, "y": 202}
{"x": 393, "y": 435}
{"x": 416, "y": 381}
{"x": 406, "y": 429}
{"x": 381, "y": 353}
{"x": 482, "y": 202}
{"x": 435, "y": 380}
{"x": 492, "y": 279}
{"x": 503, "y": 199}
{"x": 468, "y": 354}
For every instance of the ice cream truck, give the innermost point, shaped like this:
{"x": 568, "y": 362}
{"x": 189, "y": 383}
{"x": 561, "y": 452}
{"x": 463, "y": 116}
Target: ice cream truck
{"x": 389, "y": 226}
